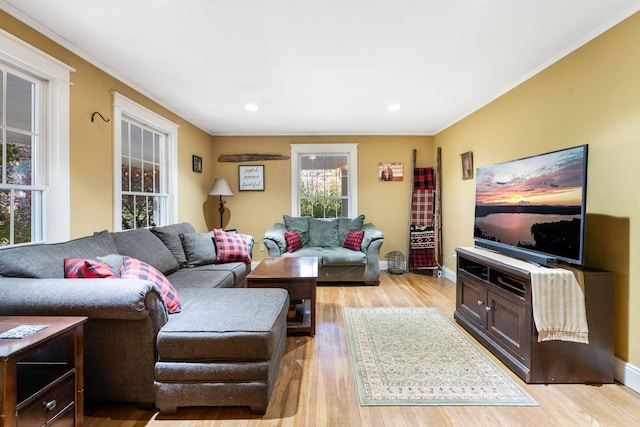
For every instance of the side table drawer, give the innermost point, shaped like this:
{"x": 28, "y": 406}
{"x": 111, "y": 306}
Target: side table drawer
{"x": 47, "y": 404}
{"x": 299, "y": 290}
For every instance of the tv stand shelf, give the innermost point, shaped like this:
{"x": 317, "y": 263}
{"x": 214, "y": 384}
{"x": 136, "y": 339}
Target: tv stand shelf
{"x": 493, "y": 304}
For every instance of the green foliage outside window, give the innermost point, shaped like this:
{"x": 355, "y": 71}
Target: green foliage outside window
{"x": 18, "y": 166}
{"x": 321, "y": 193}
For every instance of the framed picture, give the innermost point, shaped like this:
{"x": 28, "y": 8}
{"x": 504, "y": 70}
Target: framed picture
{"x": 389, "y": 172}
{"x": 196, "y": 165}
{"x": 251, "y": 178}
{"x": 467, "y": 165}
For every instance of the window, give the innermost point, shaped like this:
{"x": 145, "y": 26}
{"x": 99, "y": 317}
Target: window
{"x": 324, "y": 180}
{"x": 34, "y": 145}
{"x": 145, "y": 167}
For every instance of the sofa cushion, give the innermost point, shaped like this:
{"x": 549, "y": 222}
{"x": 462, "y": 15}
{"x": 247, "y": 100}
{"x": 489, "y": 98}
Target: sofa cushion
{"x": 293, "y": 240}
{"x": 135, "y": 269}
{"x": 201, "y": 277}
{"x": 300, "y": 224}
{"x": 345, "y": 225}
{"x": 225, "y": 324}
{"x": 142, "y": 244}
{"x": 199, "y": 248}
{"x": 240, "y": 270}
{"x": 114, "y": 261}
{"x": 170, "y": 236}
{"x": 306, "y": 251}
{"x": 46, "y": 261}
{"x": 323, "y": 232}
{"x": 80, "y": 268}
{"x": 342, "y": 256}
{"x": 231, "y": 247}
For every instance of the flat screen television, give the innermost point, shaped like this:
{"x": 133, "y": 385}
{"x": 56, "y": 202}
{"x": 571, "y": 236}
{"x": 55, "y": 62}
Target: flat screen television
{"x": 534, "y": 208}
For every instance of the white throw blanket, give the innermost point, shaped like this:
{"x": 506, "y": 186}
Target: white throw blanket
{"x": 557, "y": 299}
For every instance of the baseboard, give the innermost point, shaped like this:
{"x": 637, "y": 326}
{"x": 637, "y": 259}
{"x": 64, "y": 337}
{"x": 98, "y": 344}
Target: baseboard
{"x": 450, "y": 274}
{"x": 627, "y": 374}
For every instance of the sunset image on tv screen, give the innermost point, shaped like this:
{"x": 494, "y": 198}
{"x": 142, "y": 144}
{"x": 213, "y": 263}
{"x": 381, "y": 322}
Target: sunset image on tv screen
{"x": 534, "y": 203}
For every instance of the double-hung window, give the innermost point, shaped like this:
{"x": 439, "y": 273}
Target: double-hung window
{"x": 145, "y": 167}
{"x": 324, "y": 180}
{"x": 34, "y": 145}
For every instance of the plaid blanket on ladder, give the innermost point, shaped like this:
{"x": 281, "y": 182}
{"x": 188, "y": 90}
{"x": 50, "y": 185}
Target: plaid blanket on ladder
{"x": 422, "y": 245}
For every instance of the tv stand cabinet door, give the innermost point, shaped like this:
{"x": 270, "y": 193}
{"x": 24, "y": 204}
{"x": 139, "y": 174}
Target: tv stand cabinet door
{"x": 472, "y": 299}
{"x": 508, "y": 323}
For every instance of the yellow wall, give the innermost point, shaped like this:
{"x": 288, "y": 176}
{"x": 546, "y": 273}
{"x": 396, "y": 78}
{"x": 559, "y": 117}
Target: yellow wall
{"x": 590, "y": 97}
{"x": 386, "y": 204}
{"x": 91, "y": 143}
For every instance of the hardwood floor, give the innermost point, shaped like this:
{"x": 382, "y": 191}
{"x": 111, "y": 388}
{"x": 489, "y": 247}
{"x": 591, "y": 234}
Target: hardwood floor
{"x": 316, "y": 384}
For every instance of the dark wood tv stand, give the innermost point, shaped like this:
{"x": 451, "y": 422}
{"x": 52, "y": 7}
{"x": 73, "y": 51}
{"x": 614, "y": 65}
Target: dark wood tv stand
{"x": 493, "y": 303}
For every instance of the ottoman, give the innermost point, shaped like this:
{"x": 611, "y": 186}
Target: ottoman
{"x": 223, "y": 349}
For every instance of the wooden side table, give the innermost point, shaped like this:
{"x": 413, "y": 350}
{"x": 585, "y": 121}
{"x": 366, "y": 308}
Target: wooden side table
{"x": 42, "y": 374}
{"x": 298, "y": 275}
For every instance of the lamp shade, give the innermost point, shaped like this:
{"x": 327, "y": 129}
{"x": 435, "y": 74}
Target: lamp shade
{"x": 220, "y": 188}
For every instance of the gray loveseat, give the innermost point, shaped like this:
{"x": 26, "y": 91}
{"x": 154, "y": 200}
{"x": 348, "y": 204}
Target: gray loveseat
{"x": 324, "y": 239}
{"x": 222, "y": 349}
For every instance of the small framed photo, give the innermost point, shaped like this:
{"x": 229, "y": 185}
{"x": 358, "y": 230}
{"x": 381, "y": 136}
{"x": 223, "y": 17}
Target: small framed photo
{"x": 251, "y": 178}
{"x": 390, "y": 171}
{"x": 467, "y": 165}
{"x": 196, "y": 165}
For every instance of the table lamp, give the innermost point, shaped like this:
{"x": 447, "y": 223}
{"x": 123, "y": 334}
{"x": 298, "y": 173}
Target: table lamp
{"x": 221, "y": 188}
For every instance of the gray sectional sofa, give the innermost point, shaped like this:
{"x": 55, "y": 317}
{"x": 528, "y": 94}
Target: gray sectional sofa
{"x": 324, "y": 239}
{"x": 222, "y": 349}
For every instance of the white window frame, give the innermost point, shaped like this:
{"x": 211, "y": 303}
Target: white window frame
{"x": 123, "y": 107}
{"x": 53, "y": 161}
{"x": 348, "y": 149}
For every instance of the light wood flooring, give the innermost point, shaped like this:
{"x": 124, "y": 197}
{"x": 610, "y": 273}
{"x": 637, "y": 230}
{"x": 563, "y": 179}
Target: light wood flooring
{"x": 316, "y": 385}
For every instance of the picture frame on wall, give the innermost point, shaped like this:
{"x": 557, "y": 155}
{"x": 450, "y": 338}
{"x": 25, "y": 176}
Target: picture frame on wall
{"x": 467, "y": 165}
{"x": 251, "y": 178}
{"x": 390, "y": 171}
{"x": 196, "y": 165}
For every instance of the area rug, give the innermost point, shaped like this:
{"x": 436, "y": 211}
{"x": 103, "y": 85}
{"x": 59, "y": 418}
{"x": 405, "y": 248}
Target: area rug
{"x": 417, "y": 356}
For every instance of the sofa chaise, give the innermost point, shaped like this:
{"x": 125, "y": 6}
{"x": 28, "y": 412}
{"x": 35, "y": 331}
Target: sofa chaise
{"x": 221, "y": 345}
{"x": 348, "y": 250}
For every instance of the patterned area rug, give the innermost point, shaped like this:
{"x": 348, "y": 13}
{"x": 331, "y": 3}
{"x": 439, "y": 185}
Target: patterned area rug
{"x": 417, "y": 356}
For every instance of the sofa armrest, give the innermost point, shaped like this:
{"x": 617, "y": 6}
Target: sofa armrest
{"x": 120, "y": 299}
{"x": 371, "y": 234}
{"x": 274, "y": 239}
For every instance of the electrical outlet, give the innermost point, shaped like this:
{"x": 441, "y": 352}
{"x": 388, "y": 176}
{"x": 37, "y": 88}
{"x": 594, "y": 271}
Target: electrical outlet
{"x": 261, "y": 247}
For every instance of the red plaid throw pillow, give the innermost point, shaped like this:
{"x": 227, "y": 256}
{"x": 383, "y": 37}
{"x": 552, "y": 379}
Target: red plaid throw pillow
{"x": 231, "y": 247}
{"x": 354, "y": 240}
{"x": 79, "y": 268}
{"x": 135, "y": 269}
{"x": 293, "y": 240}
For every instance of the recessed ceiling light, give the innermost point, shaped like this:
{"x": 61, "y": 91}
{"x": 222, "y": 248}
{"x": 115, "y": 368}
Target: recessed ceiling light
{"x": 393, "y": 107}
{"x": 251, "y": 107}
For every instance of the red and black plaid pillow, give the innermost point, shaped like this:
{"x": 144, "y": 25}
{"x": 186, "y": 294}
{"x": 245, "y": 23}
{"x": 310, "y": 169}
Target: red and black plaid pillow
{"x": 135, "y": 269}
{"x": 354, "y": 240}
{"x": 80, "y": 268}
{"x": 231, "y": 247}
{"x": 294, "y": 242}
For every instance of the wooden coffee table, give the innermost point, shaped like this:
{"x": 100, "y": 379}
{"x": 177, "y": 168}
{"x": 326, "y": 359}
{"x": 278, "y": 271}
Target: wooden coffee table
{"x": 298, "y": 275}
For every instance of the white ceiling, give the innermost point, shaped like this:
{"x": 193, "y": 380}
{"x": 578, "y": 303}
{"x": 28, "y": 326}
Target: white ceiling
{"x": 326, "y": 67}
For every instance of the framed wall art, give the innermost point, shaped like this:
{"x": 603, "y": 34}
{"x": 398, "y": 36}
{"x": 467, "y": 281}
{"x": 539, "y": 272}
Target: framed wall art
{"x": 467, "y": 165}
{"x": 251, "y": 178}
{"x": 196, "y": 164}
{"x": 390, "y": 171}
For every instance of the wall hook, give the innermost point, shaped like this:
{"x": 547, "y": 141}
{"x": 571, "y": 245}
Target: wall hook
{"x": 93, "y": 116}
